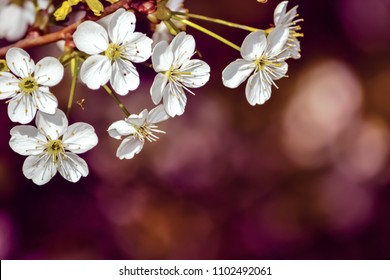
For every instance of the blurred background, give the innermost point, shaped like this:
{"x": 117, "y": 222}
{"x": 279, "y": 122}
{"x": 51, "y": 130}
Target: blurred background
{"x": 304, "y": 176}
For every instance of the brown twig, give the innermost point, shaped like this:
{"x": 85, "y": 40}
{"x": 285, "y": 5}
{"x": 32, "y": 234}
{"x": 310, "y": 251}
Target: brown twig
{"x": 65, "y": 32}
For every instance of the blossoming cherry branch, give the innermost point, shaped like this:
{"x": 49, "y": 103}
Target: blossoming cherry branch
{"x": 102, "y": 47}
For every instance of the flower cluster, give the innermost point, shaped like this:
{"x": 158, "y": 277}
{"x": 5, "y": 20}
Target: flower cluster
{"x": 264, "y": 57}
{"x": 104, "y": 54}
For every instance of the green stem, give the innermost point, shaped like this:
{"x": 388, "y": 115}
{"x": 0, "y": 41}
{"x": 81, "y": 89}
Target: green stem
{"x": 120, "y": 104}
{"x": 219, "y": 21}
{"x": 206, "y": 31}
{"x": 74, "y": 68}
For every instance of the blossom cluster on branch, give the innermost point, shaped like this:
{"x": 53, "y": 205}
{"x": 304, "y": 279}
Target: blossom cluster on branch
{"x": 103, "y": 49}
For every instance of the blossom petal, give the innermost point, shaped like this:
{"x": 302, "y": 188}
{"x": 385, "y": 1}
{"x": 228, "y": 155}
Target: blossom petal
{"x": 174, "y": 100}
{"x": 26, "y": 140}
{"x": 18, "y": 19}
{"x": 129, "y": 147}
{"x": 199, "y": 73}
{"x": 138, "y": 47}
{"x": 95, "y": 71}
{"x": 237, "y": 72}
{"x": 121, "y": 26}
{"x": 45, "y": 100}
{"x": 19, "y": 62}
{"x": 183, "y": 47}
{"x": 52, "y": 125}
{"x": 257, "y": 89}
{"x": 157, "y": 114}
{"x": 156, "y": 91}
{"x": 21, "y": 108}
{"x": 119, "y": 129}
{"x": 283, "y": 17}
{"x": 49, "y": 71}
{"x": 161, "y": 34}
{"x": 280, "y": 12}
{"x": 277, "y": 40}
{"x": 79, "y": 138}
{"x": 40, "y": 168}
{"x": 90, "y": 38}
{"x": 124, "y": 77}
{"x": 254, "y": 45}
{"x": 278, "y": 72}
{"x": 8, "y": 85}
{"x": 139, "y": 119}
{"x": 162, "y": 57}
{"x": 72, "y": 167}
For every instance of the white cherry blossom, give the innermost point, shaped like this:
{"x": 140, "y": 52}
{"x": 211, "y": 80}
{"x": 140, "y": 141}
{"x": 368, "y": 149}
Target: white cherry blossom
{"x": 135, "y": 129}
{"x": 176, "y": 73}
{"x": 113, "y": 47}
{"x": 263, "y": 62}
{"x": 288, "y": 20}
{"x": 53, "y": 146}
{"x": 16, "y": 16}
{"x": 27, "y": 85}
{"x": 161, "y": 32}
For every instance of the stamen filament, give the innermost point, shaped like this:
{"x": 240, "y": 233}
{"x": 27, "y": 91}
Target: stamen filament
{"x": 206, "y": 31}
{"x": 218, "y": 21}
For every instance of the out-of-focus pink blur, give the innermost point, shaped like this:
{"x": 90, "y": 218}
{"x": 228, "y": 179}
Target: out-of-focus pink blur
{"x": 304, "y": 176}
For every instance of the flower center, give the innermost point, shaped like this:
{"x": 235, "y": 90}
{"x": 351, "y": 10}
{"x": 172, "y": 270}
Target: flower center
{"x": 28, "y": 85}
{"x": 262, "y": 63}
{"x": 113, "y": 51}
{"x": 54, "y": 148}
{"x": 146, "y": 131}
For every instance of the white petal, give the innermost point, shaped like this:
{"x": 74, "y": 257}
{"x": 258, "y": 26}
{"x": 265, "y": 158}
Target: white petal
{"x": 121, "y": 26}
{"x": 174, "y": 5}
{"x": 43, "y": 4}
{"x": 237, "y": 72}
{"x": 277, "y": 40}
{"x": 156, "y": 91}
{"x": 39, "y": 168}
{"x": 72, "y": 167}
{"x": 157, "y": 114}
{"x": 49, "y": 71}
{"x": 104, "y": 21}
{"x": 257, "y": 89}
{"x": 183, "y": 47}
{"x": 45, "y": 100}
{"x": 278, "y": 72}
{"x": 138, "y": 47}
{"x": 137, "y": 120}
{"x": 19, "y": 62}
{"x": 124, "y": 77}
{"x": 8, "y": 85}
{"x": 129, "y": 147}
{"x": 280, "y": 12}
{"x": 79, "y": 138}
{"x": 161, "y": 33}
{"x": 95, "y": 71}
{"x": 199, "y": 73}
{"x": 26, "y": 140}
{"x": 21, "y": 108}
{"x": 119, "y": 129}
{"x": 162, "y": 57}
{"x": 90, "y": 38}
{"x": 254, "y": 45}
{"x": 53, "y": 125}
{"x": 174, "y": 100}
{"x": 16, "y": 23}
